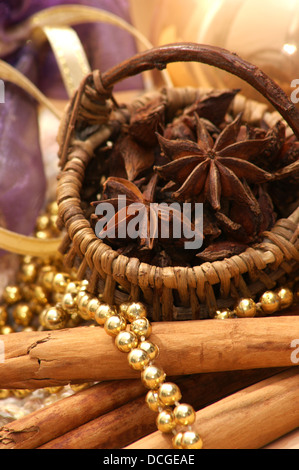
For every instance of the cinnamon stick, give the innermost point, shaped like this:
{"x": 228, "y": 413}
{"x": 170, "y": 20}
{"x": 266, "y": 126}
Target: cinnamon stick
{"x": 68, "y": 413}
{"x": 248, "y": 419}
{"x": 103, "y": 433}
{"x": 113, "y": 430}
{"x": 84, "y": 354}
{"x": 81, "y": 409}
{"x": 289, "y": 441}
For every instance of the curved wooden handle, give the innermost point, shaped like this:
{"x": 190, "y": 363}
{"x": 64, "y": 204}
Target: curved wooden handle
{"x": 159, "y": 57}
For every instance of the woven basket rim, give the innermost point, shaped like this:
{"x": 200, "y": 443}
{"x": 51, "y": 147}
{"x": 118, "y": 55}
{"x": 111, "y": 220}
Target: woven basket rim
{"x": 266, "y": 255}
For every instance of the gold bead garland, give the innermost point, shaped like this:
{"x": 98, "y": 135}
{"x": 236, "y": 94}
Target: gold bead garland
{"x": 48, "y": 297}
{"x": 25, "y": 303}
{"x": 127, "y": 323}
{"x": 270, "y": 302}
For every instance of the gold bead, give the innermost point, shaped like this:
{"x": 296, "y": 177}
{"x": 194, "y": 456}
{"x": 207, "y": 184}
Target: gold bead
{"x": 29, "y": 328}
{"x": 191, "y": 440}
{"x": 72, "y": 287}
{"x": 134, "y": 311}
{"x": 126, "y": 340}
{"x": 184, "y": 414}
{"x": 11, "y": 294}
{"x": 152, "y": 377}
{"x": 141, "y": 327}
{"x": 151, "y": 349}
{"x": 68, "y": 303}
{"x": 40, "y": 294}
{"x": 54, "y": 318}
{"x": 270, "y": 302}
{"x": 103, "y": 312}
{"x": 245, "y": 308}
{"x": 41, "y": 317}
{"x": 60, "y": 282}
{"x": 92, "y": 307}
{"x": 21, "y": 392}
{"x": 43, "y": 234}
{"x": 3, "y": 315}
{"x": 169, "y": 393}
{"x": 83, "y": 285}
{"x": 28, "y": 272}
{"x": 28, "y": 259}
{"x": 138, "y": 359}
{"x": 165, "y": 420}
{"x": 83, "y": 300}
{"x": 81, "y": 294}
{"x": 74, "y": 320}
{"x": 259, "y": 311}
{"x": 46, "y": 261}
{"x": 4, "y": 393}
{"x": 122, "y": 308}
{"x": 53, "y": 222}
{"x": 6, "y": 330}
{"x": 42, "y": 222}
{"x": 223, "y": 314}
{"x": 26, "y": 292}
{"x": 52, "y": 208}
{"x": 114, "y": 325}
{"x": 46, "y": 276}
{"x": 22, "y": 314}
{"x": 153, "y": 401}
{"x": 286, "y": 297}
{"x": 53, "y": 390}
{"x": 177, "y": 440}
{"x": 78, "y": 387}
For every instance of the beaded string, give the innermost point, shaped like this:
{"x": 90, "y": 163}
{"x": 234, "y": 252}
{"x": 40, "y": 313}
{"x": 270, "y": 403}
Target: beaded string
{"x": 49, "y": 298}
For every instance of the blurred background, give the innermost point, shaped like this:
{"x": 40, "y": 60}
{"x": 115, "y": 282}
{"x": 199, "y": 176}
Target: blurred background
{"x": 266, "y": 33}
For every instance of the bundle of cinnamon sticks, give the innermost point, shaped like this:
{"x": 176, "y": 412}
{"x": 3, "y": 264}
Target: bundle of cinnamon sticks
{"x": 238, "y": 374}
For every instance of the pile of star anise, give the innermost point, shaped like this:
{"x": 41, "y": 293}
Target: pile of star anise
{"x": 246, "y": 177}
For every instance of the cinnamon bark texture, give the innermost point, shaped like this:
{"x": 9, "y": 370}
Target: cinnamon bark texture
{"x": 87, "y": 412}
{"x": 43, "y": 425}
{"x": 102, "y": 432}
{"x": 248, "y": 419}
{"x": 85, "y": 354}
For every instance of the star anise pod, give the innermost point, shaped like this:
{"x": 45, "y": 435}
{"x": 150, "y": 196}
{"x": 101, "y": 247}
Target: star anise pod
{"x": 208, "y": 170}
{"x": 129, "y": 158}
{"x": 147, "y": 120}
{"x": 212, "y": 106}
{"x": 154, "y": 222}
{"x": 220, "y": 250}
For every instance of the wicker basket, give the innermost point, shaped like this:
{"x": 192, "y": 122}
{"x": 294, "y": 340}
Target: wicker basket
{"x": 171, "y": 293}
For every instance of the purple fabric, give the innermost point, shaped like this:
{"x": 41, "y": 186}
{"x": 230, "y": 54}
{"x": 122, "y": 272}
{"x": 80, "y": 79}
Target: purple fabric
{"x": 22, "y": 178}
{"x": 105, "y": 45}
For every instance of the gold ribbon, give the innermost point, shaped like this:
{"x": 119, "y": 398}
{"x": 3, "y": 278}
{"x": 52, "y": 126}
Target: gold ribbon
{"x": 65, "y": 16}
{"x": 70, "y": 56}
{"x": 24, "y": 245}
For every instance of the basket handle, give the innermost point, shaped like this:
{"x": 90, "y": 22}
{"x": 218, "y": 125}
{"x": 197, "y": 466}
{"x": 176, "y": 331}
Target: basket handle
{"x": 159, "y": 57}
